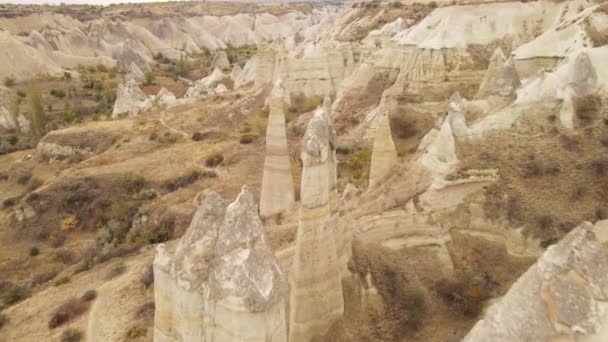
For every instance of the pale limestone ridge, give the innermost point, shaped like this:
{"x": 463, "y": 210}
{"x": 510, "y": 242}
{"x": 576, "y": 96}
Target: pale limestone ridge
{"x": 222, "y": 281}
{"x": 130, "y": 99}
{"x": 384, "y": 154}
{"x": 277, "y": 194}
{"x": 501, "y": 78}
{"x": 220, "y": 60}
{"x": 316, "y": 288}
{"x": 563, "y": 294}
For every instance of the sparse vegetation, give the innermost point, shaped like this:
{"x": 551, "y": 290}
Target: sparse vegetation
{"x": 300, "y": 103}
{"x": 136, "y": 331}
{"x": 9, "y": 81}
{"x": 359, "y": 164}
{"x": 71, "y": 335}
{"x": 462, "y": 296}
{"x": 182, "y": 181}
{"x": 70, "y": 222}
{"x": 214, "y": 159}
{"x": 587, "y": 107}
{"x": 58, "y": 93}
{"x": 3, "y": 320}
{"x": 11, "y": 293}
{"x": 149, "y": 77}
{"x": 34, "y": 251}
{"x": 403, "y": 127}
{"x": 38, "y": 118}
{"x": 67, "y": 312}
{"x": 133, "y": 184}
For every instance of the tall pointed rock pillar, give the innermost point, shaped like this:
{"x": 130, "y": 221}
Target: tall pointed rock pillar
{"x": 384, "y": 154}
{"x": 333, "y": 160}
{"x": 316, "y": 288}
{"x": 277, "y": 193}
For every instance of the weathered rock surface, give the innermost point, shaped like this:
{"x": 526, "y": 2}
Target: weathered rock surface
{"x": 236, "y": 71}
{"x": 501, "y": 78}
{"x": 277, "y": 193}
{"x": 561, "y": 297}
{"x": 130, "y": 99}
{"x": 220, "y": 61}
{"x": 9, "y": 120}
{"x": 135, "y": 73}
{"x": 316, "y": 290}
{"x": 248, "y": 74}
{"x": 206, "y": 84}
{"x": 222, "y": 282}
{"x": 384, "y": 154}
{"x": 164, "y": 97}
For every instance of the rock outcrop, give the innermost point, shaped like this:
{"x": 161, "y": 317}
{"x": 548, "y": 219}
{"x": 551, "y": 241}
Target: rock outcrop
{"x": 277, "y": 193}
{"x": 135, "y": 73}
{"x": 206, "y": 84}
{"x": 8, "y": 120}
{"x": 236, "y": 71}
{"x": 384, "y": 154}
{"x": 164, "y": 97}
{"x": 561, "y": 297}
{"x": 220, "y": 61}
{"x": 316, "y": 289}
{"x": 222, "y": 282}
{"x": 130, "y": 99}
{"x": 501, "y": 78}
{"x": 248, "y": 74}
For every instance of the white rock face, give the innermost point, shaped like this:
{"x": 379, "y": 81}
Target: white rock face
{"x": 130, "y": 100}
{"x": 206, "y": 84}
{"x": 501, "y": 78}
{"x": 277, "y": 193}
{"x": 220, "y": 61}
{"x": 563, "y": 294}
{"x": 316, "y": 290}
{"x": 135, "y": 73}
{"x": 248, "y": 74}
{"x": 164, "y": 97}
{"x": 8, "y": 120}
{"x": 236, "y": 71}
{"x": 222, "y": 282}
{"x": 384, "y": 154}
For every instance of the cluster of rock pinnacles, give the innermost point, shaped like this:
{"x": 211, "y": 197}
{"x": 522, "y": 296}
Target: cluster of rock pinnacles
{"x": 222, "y": 282}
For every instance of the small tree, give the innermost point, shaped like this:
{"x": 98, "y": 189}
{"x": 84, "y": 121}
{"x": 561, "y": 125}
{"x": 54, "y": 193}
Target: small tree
{"x": 149, "y": 77}
{"x": 13, "y": 108}
{"x": 38, "y": 117}
{"x": 182, "y": 68}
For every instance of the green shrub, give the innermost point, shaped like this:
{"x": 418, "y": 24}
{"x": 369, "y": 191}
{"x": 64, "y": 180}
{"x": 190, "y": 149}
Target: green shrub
{"x": 21, "y": 93}
{"x": 67, "y": 76}
{"x": 359, "y": 165}
{"x": 89, "y": 295}
{"x": 149, "y": 77}
{"x": 38, "y": 119}
{"x": 214, "y": 159}
{"x": 66, "y": 312}
{"x": 133, "y": 184}
{"x": 70, "y": 116}
{"x": 184, "y": 180}
{"x": 58, "y": 93}
{"x": 71, "y": 335}
{"x": 9, "y": 81}
{"x": 12, "y": 293}
{"x": 62, "y": 281}
{"x": 101, "y": 68}
{"x": 34, "y": 251}
{"x": 3, "y": 320}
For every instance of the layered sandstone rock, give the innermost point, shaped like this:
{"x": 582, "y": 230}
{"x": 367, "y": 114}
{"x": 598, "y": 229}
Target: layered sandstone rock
{"x": 277, "y": 193}
{"x": 220, "y": 61}
{"x": 130, "y": 99}
{"x": 316, "y": 289}
{"x": 222, "y": 282}
{"x": 501, "y": 78}
{"x": 562, "y": 297}
{"x": 384, "y": 154}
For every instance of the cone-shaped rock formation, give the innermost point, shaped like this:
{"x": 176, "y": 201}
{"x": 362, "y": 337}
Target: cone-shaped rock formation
{"x": 316, "y": 289}
{"x": 129, "y": 99}
{"x": 384, "y": 154}
{"x": 561, "y": 297}
{"x": 277, "y": 193}
{"x": 222, "y": 282}
{"x": 501, "y": 78}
